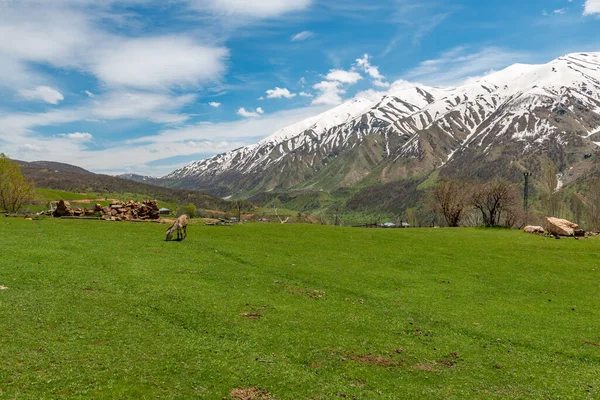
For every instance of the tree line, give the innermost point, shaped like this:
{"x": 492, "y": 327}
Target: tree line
{"x": 500, "y": 203}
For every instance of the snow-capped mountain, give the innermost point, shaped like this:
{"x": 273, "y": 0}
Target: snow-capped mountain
{"x": 519, "y": 118}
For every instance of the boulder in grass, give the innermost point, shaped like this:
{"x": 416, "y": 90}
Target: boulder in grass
{"x": 534, "y": 229}
{"x": 561, "y": 227}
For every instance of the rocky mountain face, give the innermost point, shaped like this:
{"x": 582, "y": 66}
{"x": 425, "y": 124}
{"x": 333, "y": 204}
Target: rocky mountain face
{"x": 525, "y": 117}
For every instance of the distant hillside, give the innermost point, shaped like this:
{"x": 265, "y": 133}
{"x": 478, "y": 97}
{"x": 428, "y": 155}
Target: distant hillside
{"x": 140, "y": 178}
{"x": 52, "y": 175}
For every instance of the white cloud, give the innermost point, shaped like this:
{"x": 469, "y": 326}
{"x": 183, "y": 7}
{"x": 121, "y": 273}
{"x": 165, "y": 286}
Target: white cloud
{"x": 90, "y": 94}
{"x": 248, "y": 130}
{"x": 83, "y": 136}
{"x": 156, "y": 107}
{"x": 304, "y": 94}
{"x": 198, "y": 140}
{"x": 214, "y": 104}
{"x": 364, "y": 64}
{"x": 160, "y": 63}
{"x": 242, "y": 112}
{"x": 255, "y": 9}
{"x": 560, "y": 11}
{"x": 339, "y": 75}
{"x": 459, "y": 64}
{"x": 44, "y": 93}
{"x": 330, "y": 93}
{"x": 298, "y": 37}
{"x": 592, "y": 7}
{"x": 67, "y": 34}
{"x": 279, "y": 93}
{"x": 31, "y": 148}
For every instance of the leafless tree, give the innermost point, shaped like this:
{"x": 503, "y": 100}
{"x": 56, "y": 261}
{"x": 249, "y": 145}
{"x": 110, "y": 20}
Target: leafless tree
{"x": 593, "y": 204}
{"x": 450, "y": 197}
{"x": 552, "y": 197}
{"x": 577, "y": 208}
{"x": 493, "y": 199}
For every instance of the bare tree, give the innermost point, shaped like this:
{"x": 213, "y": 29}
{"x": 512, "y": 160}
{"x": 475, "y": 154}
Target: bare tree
{"x": 593, "y": 204}
{"x": 14, "y": 190}
{"x": 577, "y": 208}
{"x": 492, "y": 199}
{"x": 451, "y": 200}
{"x": 514, "y": 214}
{"x": 552, "y": 197}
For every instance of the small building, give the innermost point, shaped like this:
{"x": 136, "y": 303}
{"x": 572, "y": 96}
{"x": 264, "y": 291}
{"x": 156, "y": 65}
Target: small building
{"x": 164, "y": 211}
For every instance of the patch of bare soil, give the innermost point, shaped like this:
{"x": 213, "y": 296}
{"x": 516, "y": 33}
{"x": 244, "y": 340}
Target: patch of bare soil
{"x": 313, "y": 294}
{"x": 592, "y": 343}
{"x": 252, "y": 393}
{"x": 372, "y": 359}
{"x": 449, "y": 360}
{"x": 433, "y": 366}
{"x": 425, "y": 367}
{"x": 251, "y": 315}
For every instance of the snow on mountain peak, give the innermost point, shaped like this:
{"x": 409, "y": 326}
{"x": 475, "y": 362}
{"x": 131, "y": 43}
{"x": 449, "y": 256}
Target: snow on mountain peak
{"x": 322, "y": 122}
{"x": 407, "y": 108}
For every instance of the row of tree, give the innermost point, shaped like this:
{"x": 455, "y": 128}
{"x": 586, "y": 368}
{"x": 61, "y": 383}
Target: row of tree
{"x": 500, "y": 203}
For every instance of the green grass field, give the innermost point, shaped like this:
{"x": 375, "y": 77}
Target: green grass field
{"x": 110, "y": 310}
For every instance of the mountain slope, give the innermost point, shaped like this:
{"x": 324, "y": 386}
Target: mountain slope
{"x": 51, "y": 175}
{"x": 524, "y": 117}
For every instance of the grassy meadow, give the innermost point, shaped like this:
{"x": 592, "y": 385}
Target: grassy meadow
{"x": 94, "y": 309}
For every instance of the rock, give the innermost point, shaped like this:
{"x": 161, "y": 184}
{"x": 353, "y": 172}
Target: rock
{"x": 63, "y": 209}
{"x": 534, "y": 229}
{"x": 579, "y": 233}
{"x": 561, "y": 227}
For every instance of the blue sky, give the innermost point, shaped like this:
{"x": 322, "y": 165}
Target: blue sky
{"x": 146, "y": 86}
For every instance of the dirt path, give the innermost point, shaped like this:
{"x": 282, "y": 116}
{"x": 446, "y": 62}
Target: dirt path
{"x": 92, "y": 201}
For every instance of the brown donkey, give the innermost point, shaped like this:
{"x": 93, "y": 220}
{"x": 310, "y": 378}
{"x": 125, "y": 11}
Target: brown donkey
{"x": 181, "y": 226}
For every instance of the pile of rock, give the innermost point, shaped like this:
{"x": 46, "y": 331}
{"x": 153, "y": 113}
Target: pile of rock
{"x": 147, "y": 210}
{"x": 534, "y": 229}
{"x": 129, "y": 211}
{"x": 64, "y": 209}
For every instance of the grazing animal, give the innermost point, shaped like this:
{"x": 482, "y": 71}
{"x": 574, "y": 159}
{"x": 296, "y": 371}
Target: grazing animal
{"x": 180, "y": 225}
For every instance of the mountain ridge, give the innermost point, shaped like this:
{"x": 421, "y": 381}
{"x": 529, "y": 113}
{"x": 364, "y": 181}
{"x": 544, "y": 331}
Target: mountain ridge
{"x": 416, "y": 130}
